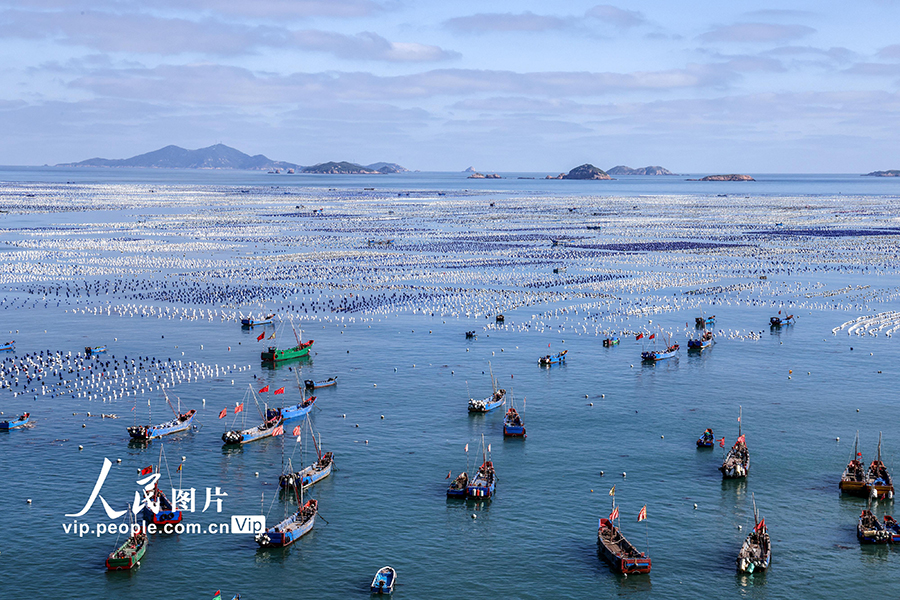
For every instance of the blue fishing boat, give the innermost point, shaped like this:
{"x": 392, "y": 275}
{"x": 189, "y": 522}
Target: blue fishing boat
{"x": 248, "y": 322}
{"x": 513, "y": 425}
{"x": 495, "y": 400}
{"x": 704, "y": 322}
{"x": 779, "y": 321}
{"x": 294, "y": 411}
{"x": 290, "y": 529}
{"x": 706, "y": 440}
{"x": 384, "y": 581}
{"x": 159, "y": 509}
{"x": 893, "y": 527}
{"x": 546, "y": 361}
{"x": 655, "y": 355}
{"x": 271, "y": 425}
{"x": 457, "y": 487}
{"x": 485, "y": 480}
{"x": 181, "y": 422}
{"x": 88, "y": 350}
{"x": 869, "y": 530}
{"x": 11, "y": 345}
{"x": 610, "y": 342}
{"x": 309, "y": 476}
{"x": 19, "y": 422}
{"x": 705, "y": 341}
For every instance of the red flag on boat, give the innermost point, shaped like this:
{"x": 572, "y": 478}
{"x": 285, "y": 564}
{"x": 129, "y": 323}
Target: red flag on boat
{"x": 147, "y": 470}
{"x": 652, "y": 335}
{"x": 467, "y": 447}
{"x": 278, "y": 391}
{"x": 278, "y": 430}
{"x": 722, "y": 443}
{"x": 449, "y": 473}
{"x": 638, "y": 336}
{"x": 297, "y": 430}
{"x": 261, "y": 336}
{"x": 614, "y": 514}
{"x": 218, "y": 595}
{"x": 223, "y": 413}
{"x": 239, "y": 408}
{"x": 761, "y": 525}
{"x": 859, "y": 454}
{"x": 779, "y": 312}
{"x": 264, "y": 390}
{"x": 642, "y": 514}
{"x": 741, "y": 440}
{"x": 548, "y": 344}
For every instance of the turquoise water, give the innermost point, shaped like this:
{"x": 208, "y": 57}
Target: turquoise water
{"x": 800, "y": 387}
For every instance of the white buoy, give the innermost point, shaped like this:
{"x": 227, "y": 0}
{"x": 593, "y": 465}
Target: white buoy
{"x": 695, "y": 506}
{"x": 81, "y": 447}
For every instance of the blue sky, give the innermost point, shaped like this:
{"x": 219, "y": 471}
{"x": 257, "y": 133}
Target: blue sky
{"x": 502, "y": 86}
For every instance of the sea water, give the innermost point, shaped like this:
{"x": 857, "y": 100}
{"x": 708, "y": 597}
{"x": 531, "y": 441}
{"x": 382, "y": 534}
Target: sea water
{"x": 602, "y": 419}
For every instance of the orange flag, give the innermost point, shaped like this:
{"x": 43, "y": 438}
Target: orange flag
{"x": 223, "y": 413}
{"x": 239, "y": 408}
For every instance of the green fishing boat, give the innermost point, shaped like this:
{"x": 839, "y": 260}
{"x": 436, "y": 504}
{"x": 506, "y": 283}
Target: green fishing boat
{"x": 273, "y": 354}
{"x": 128, "y": 554}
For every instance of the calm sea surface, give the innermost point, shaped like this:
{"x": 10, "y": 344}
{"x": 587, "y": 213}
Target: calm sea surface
{"x": 137, "y": 243}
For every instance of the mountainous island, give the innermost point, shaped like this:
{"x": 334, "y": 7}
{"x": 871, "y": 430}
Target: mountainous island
{"x": 220, "y": 156}
{"x": 732, "y": 177}
{"x": 891, "y": 173}
{"x": 623, "y": 170}
{"x": 585, "y": 171}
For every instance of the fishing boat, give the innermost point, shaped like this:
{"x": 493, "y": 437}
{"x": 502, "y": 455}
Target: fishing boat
{"x": 893, "y": 527}
{"x": 295, "y": 411}
{"x": 290, "y": 529}
{"x": 879, "y": 483}
{"x": 181, "y": 422}
{"x": 500, "y": 318}
{"x": 88, "y": 351}
{"x": 495, "y": 400}
{"x": 869, "y": 530}
{"x": 546, "y": 361}
{"x": 737, "y": 462}
{"x": 853, "y": 480}
{"x": 485, "y": 480}
{"x": 756, "y": 552}
{"x": 513, "y": 424}
{"x": 610, "y": 342}
{"x": 158, "y": 509}
{"x": 621, "y": 554}
{"x": 779, "y": 321}
{"x": 11, "y": 345}
{"x": 129, "y": 554}
{"x": 704, "y": 322}
{"x": 21, "y": 421}
{"x": 656, "y": 356}
{"x": 384, "y": 580}
{"x": 706, "y": 440}
{"x": 706, "y": 340}
{"x": 254, "y": 322}
{"x": 312, "y": 385}
{"x": 471, "y": 335}
{"x": 273, "y": 354}
{"x": 265, "y": 429}
{"x": 314, "y": 473}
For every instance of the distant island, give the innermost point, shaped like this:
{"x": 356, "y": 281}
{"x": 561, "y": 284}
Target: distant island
{"x": 623, "y": 170}
{"x": 891, "y": 173}
{"x": 732, "y": 177}
{"x": 220, "y": 156}
{"x": 476, "y": 175}
{"x": 585, "y": 171}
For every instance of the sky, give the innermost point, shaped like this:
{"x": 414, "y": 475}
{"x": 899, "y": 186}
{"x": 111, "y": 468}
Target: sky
{"x": 779, "y": 87}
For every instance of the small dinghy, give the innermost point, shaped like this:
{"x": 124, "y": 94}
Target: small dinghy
{"x": 457, "y": 488}
{"x": 893, "y": 527}
{"x": 610, "y": 342}
{"x": 20, "y": 422}
{"x": 779, "y": 321}
{"x": 546, "y": 361}
{"x": 513, "y": 425}
{"x": 313, "y": 385}
{"x": 869, "y": 530}
{"x": 471, "y": 335}
{"x": 11, "y": 345}
{"x": 706, "y": 440}
{"x": 384, "y": 580}
{"x": 853, "y": 480}
{"x": 254, "y": 322}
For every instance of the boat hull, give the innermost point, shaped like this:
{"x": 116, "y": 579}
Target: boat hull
{"x": 275, "y": 355}
{"x": 626, "y": 565}
{"x": 10, "y": 425}
{"x": 234, "y": 438}
{"x": 854, "y": 488}
{"x": 288, "y": 531}
{"x": 123, "y": 558}
{"x": 514, "y": 430}
{"x": 158, "y": 431}
{"x": 292, "y": 412}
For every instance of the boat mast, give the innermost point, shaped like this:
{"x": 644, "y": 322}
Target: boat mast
{"x": 493, "y": 382}
{"x": 297, "y": 337}
{"x": 855, "y": 447}
{"x": 878, "y": 458}
{"x": 740, "y": 415}
{"x": 169, "y": 402}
